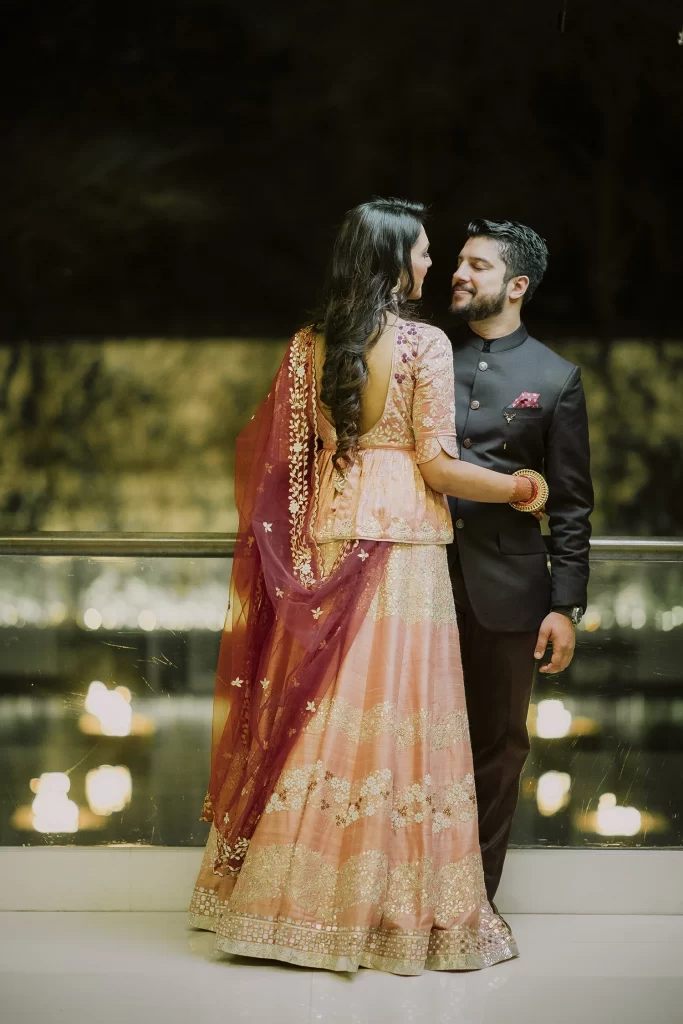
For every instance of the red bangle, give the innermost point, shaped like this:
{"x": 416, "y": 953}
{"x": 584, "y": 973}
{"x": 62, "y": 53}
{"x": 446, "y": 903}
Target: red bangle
{"x": 534, "y": 495}
{"x": 541, "y": 494}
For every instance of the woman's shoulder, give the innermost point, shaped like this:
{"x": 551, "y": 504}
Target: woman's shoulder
{"x": 427, "y": 337}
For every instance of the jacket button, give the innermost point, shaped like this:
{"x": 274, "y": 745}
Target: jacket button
{"x": 459, "y": 523}
{"x": 483, "y": 365}
{"x": 468, "y": 442}
{"x": 474, "y": 404}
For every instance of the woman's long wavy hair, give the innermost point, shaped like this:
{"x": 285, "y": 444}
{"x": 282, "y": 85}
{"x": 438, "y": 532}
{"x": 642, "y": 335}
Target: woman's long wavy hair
{"x": 371, "y": 255}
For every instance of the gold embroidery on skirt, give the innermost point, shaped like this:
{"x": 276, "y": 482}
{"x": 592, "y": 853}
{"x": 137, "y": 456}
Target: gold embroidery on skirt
{"x": 205, "y": 907}
{"x": 337, "y": 798}
{"x": 303, "y": 876}
{"x": 448, "y": 805}
{"x": 345, "y": 802}
{"x": 454, "y": 804}
{"x": 411, "y": 889}
{"x": 415, "y": 586}
{"x": 455, "y": 889}
{"x": 362, "y": 726}
{"x": 450, "y": 729}
{"x": 409, "y": 732}
{"x": 408, "y": 889}
{"x": 318, "y": 888}
{"x": 460, "y": 888}
{"x": 345, "y": 949}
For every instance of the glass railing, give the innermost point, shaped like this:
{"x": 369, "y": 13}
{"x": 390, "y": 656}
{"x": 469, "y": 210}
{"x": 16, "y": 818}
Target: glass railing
{"x": 108, "y": 645}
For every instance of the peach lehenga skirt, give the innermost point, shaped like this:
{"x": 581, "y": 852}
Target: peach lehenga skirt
{"x": 367, "y": 853}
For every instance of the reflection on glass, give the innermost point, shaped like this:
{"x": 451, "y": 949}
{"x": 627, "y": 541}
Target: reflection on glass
{"x": 553, "y": 721}
{"x": 125, "y": 708}
{"x": 115, "y": 600}
{"x": 108, "y": 788}
{"x": 92, "y": 618}
{"x": 53, "y": 813}
{"x": 592, "y": 619}
{"x": 52, "y": 809}
{"x": 552, "y": 792}
{"x": 613, "y": 722}
{"x": 616, "y": 821}
{"x": 110, "y": 713}
{"x": 112, "y": 709}
{"x": 129, "y": 700}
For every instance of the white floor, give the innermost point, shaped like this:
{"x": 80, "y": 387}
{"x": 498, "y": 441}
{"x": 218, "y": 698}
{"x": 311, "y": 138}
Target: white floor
{"x": 109, "y": 968}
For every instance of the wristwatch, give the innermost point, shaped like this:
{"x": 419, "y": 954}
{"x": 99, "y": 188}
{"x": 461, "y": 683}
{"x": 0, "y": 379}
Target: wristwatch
{"x": 575, "y": 613}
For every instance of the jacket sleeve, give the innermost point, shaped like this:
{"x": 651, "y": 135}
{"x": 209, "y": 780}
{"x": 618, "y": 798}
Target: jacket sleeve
{"x": 567, "y": 470}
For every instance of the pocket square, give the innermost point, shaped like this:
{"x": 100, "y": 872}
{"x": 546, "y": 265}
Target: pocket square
{"x": 527, "y": 400}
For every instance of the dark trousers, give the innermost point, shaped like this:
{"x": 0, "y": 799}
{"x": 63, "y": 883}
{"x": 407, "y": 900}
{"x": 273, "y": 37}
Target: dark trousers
{"x": 498, "y": 670}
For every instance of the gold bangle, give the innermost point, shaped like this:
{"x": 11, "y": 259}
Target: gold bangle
{"x": 541, "y": 498}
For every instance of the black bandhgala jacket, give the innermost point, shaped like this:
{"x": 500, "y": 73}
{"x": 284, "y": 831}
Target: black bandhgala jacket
{"x": 502, "y": 552}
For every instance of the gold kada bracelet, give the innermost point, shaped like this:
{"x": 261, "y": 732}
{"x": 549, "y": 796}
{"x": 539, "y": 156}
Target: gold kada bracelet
{"x": 541, "y": 498}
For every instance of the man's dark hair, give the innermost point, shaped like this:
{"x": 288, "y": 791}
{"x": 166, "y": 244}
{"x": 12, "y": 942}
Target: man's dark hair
{"x": 520, "y": 248}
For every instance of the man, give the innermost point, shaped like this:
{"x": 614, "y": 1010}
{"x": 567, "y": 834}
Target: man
{"x": 518, "y": 404}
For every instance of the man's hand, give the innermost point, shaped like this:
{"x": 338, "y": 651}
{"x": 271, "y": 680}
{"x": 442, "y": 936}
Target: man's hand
{"x": 558, "y": 629}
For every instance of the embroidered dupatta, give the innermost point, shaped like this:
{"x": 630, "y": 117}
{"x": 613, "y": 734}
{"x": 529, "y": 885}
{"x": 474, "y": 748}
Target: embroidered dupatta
{"x": 289, "y": 624}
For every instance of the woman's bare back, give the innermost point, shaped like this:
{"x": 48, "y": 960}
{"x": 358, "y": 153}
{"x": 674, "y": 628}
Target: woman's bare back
{"x": 380, "y": 360}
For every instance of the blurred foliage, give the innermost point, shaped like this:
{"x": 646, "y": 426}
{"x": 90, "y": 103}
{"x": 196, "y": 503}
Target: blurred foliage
{"x": 125, "y": 435}
{"x": 140, "y": 435}
{"x": 633, "y": 393}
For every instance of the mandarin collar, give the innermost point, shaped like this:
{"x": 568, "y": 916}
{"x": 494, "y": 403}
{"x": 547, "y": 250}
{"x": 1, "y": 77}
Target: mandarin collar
{"x": 510, "y": 341}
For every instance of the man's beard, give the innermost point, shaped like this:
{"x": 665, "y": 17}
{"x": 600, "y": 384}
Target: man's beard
{"x": 482, "y": 308}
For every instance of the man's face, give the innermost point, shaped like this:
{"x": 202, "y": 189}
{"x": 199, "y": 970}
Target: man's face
{"x": 479, "y": 287}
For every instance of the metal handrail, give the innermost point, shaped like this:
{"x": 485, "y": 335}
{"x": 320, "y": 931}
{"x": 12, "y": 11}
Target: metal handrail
{"x": 657, "y": 548}
{"x": 170, "y": 545}
{"x": 222, "y": 545}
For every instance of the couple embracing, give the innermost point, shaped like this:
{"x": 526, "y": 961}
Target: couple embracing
{"x": 389, "y": 599}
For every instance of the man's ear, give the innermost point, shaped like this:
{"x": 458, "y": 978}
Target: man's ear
{"x": 517, "y": 287}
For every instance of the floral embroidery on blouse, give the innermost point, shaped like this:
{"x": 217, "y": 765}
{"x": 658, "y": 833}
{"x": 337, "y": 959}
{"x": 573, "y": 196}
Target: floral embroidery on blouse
{"x": 433, "y": 413}
{"x": 389, "y": 499}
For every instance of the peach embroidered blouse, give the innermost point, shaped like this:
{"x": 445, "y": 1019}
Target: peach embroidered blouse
{"x": 385, "y": 496}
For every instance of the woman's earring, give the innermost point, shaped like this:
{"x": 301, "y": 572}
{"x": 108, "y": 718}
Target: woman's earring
{"x": 396, "y": 289}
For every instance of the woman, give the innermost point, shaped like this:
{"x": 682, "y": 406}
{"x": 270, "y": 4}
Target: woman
{"x": 341, "y": 793}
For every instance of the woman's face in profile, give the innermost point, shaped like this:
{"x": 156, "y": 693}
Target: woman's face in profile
{"x": 421, "y": 261}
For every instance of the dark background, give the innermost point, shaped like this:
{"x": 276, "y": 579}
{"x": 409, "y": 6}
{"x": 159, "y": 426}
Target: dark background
{"x": 180, "y": 166}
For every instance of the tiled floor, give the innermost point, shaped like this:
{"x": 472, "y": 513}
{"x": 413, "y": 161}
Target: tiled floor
{"x": 111, "y": 968}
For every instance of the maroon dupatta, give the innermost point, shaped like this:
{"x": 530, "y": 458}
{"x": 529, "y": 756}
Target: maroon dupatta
{"x": 289, "y": 625}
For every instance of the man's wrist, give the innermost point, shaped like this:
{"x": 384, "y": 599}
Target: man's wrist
{"x": 573, "y": 612}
